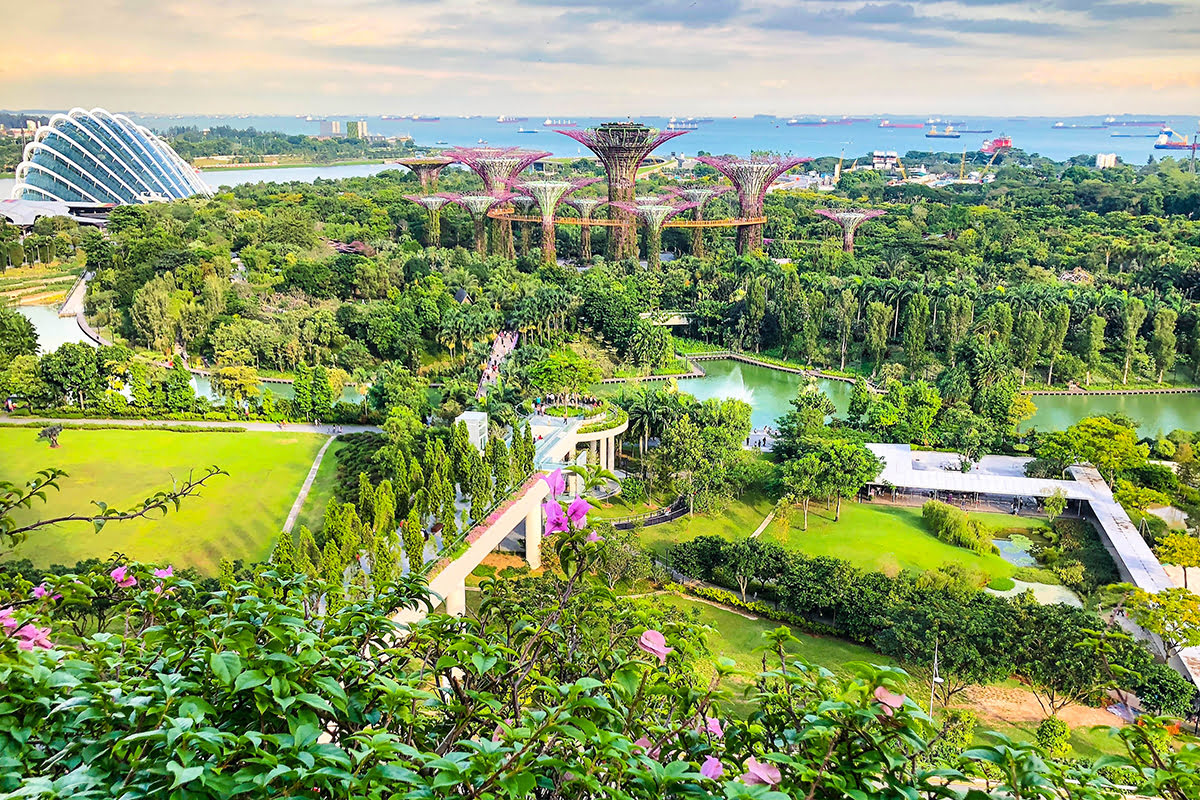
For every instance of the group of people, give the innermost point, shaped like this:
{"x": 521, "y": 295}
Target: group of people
{"x": 762, "y": 439}
{"x": 504, "y": 344}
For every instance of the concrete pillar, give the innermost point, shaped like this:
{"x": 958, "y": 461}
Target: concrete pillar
{"x": 456, "y": 601}
{"x": 611, "y": 446}
{"x": 533, "y": 536}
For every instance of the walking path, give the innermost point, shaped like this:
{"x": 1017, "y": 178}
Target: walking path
{"x": 504, "y": 343}
{"x": 266, "y": 427}
{"x": 308, "y": 482}
{"x": 763, "y": 525}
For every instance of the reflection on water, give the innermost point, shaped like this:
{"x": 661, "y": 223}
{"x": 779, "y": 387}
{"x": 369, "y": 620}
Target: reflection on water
{"x": 1154, "y": 413}
{"x": 52, "y": 330}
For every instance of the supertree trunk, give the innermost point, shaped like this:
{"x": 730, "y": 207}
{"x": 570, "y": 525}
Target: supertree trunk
{"x": 525, "y": 237}
{"x": 749, "y": 238}
{"x": 502, "y": 239}
{"x": 653, "y": 247}
{"x": 622, "y": 238}
{"x": 698, "y": 233}
{"x": 433, "y": 235}
{"x": 585, "y": 241}
{"x": 549, "y": 254}
{"x": 481, "y": 237}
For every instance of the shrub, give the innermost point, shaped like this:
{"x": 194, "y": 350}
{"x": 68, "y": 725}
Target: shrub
{"x": 730, "y": 599}
{"x": 633, "y": 490}
{"x": 1036, "y": 575}
{"x": 1070, "y": 572}
{"x": 1001, "y": 584}
{"x": 954, "y": 526}
{"x": 1054, "y": 737}
{"x": 1165, "y": 691}
{"x": 958, "y": 731}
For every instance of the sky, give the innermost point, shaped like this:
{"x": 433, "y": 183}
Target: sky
{"x": 604, "y": 57}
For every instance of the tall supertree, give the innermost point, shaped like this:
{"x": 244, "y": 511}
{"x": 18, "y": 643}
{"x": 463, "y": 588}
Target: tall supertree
{"x": 653, "y": 212}
{"x": 585, "y": 206}
{"x": 699, "y": 196}
{"x": 751, "y": 177}
{"x": 497, "y": 167}
{"x": 849, "y": 219}
{"x": 548, "y": 194}
{"x": 479, "y": 205}
{"x": 621, "y": 148}
{"x": 524, "y": 203}
{"x": 426, "y": 168}
{"x": 433, "y": 204}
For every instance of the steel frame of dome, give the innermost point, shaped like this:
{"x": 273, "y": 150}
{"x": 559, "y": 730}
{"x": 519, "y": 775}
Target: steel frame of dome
{"x": 99, "y": 157}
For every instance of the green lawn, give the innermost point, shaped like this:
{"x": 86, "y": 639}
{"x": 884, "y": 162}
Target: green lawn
{"x": 312, "y": 513}
{"x": 236, "y": 516}
{"x": 738, "y": 520}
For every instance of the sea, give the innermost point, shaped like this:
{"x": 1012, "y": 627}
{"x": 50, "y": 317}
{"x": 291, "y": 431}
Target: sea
{"x": 741, "y": 135}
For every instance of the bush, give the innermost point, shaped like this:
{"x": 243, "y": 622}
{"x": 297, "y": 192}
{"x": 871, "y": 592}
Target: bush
{"x": 1001, "y": 584}
{"x": 1165, "y": 691}
{"x": 633, "y": 490}
{"x": 954, "y": 526}
{"x": 958, "y": 732}
{"x": 1036, "y": 575}
{"x": 1070, "y": 572}
{"x": 1054, "y": 737}
{"x": 730, "y": 599}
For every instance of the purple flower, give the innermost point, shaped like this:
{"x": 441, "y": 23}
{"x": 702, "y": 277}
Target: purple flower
{"x": 556, "y": 520}
{"x": 6, "y": 618}
{"x": 39, "y": 591}
{"x": 711, "y": 768}
{"x": 32, "y": 636}
{"x": 760, "y": 774}
{"x": 646, "y": 746}
{"x": 594, "y": 537}
{"x": 713, "y": 726}
{"x": 891, "y": 702}
{"x": 655, "y": 644}
{"x": 556, "y": 482}
{"x": 577, "y": 512}
{"x": 164, "y": 573}
{"x": 123, "y": 578}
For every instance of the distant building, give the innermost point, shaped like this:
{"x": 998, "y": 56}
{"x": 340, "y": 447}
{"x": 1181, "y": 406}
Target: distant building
{"x": 331, "y": 128}
{"x": 356, "y": 129}
{"x": 477, "y": 427}
{"x": 1106, "y": 160}
{"x": 884, "y": 161}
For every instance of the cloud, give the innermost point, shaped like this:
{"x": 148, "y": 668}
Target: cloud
{"x": 1126, "y": 11}
{"x": 690, "y": 12}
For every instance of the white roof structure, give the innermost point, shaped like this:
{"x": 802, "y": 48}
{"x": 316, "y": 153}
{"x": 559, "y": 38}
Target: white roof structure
{"x": 1003, "y": 476}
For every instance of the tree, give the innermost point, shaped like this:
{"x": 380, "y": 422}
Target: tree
{"x": 235, "y": 383}
{"x": 805, "y": 478}
{"x": 1182, "y": 550}
{"x": 1091, "y": 342}
{"x": 500, "y": 464}
{"x": 413, "y": 537}
{"x": 322, "y": 392}
{"x": 620, "y": 556}
{"x": 302, "y": 391}
{"x": 17, "y": 336}
{"x": 1109, "y": 446}
{"x": 22, "y": 378}
{"x": 1027, "y": 342}
{"x": 1055, "y": 504}
{"x": 879, "y": 322}
{"x": 1132, "y": 317}
{"x": 72, "y": 372}
{"x": 843, "y": 310}
{"x": 1163, "y": 341}
{"x": 1059, "y": 669}
{"x": 916, "y": 324}
{"x": 1172, "y": 614}
{"x": 745, "y": 560}
{"x": 849, "y": 466}
{"x": 1058, "y": 320}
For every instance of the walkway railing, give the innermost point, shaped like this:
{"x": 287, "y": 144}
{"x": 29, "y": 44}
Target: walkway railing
{"x": 651, "y": 518}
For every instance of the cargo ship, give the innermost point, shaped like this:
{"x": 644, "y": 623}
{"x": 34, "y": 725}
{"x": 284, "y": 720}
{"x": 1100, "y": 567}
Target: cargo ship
{"x": 1062, "y": 126}
{"x": 1001, "y": 142}
{"x": 887, "y": 123}
{"x": 946, "y": 133}
{"x": 506, "y": 119}
{"x": 974, "y": 130}
{"x": 1166, "y": 142}
{"x": 681, "y": 125}
{"x": 817, "y": 122}
{"x": 1113, "y": 122}
{"x": 560, "y": 123}
{"x": 527, "y": 130}
{"x": 419, "y": 118}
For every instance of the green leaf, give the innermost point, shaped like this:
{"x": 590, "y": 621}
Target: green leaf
{"x": 483, "y": 663}
{"x": 315, "y": 701}
{"x": 249, "y": 679}
{"x": 226, "y": 665}
{"x": 183, "y": 774}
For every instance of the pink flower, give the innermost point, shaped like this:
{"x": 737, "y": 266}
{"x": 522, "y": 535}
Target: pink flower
{"x": 164, "y": 573}
{"x": 713, "y": 726}
{"x": 556, "y": 482}
{"x": 6, "y": 618}
{"x": 577, "y": 512}
{"x": 647, "y": 747}
{"x": 32, "y": 636}
{"x": 655, "y": 644}
{"x": 760, "y": 773}
{"x": 556, "y": 520}
{"x": 39, "y": 591}
{"x": 711, "y": 768}
{"x": 891, "y": 702}
{"x": 594, "y": 537}
{"x": 123, "y": 578}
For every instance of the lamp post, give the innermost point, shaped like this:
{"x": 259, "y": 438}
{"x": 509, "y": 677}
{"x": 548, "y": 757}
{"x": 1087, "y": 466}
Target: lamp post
{"x": 933, "y": 683}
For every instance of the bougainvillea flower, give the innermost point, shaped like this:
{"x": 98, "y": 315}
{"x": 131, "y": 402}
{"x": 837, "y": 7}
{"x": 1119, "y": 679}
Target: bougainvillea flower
{"x": 647, "y": 747}
{"x": 594, "y": 537}
{"x": 711, "y": 768}
{"x": 713, "y": 726}
{"x": 760, "y": 774}
{"x": 164, "y": 573}
{"x": 655, "y": 644}
{"x": 6, "y": 618}
{"x": 891, "y": 702}
{"x": 123, "y": 578}
{"x": 32, "y": 636}
{"x": 556, "y": 520}
{"x": 39, "y": 591}
{"x": 556, "y": 482}
{"x": 577, "y": 512}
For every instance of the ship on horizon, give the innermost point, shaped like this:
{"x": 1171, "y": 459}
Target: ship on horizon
{"x": 504, "y": 119}
{"x": 814, "y": 122}
{"x": 1166, "y": 142}
{"x": 1062, "y": 126}
{"x": 560, "y": 123}
{"x": 887, "y": 123}
{"x": 946, "y": 133}
{"x": 1113, "y": 122}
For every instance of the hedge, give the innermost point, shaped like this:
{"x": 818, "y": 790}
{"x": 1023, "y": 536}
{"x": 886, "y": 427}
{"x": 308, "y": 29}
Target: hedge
{"x": 727, "y": 598}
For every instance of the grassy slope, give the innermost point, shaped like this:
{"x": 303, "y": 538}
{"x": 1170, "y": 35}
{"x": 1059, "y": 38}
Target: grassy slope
{"x": 312, "y": 513}
{"x": 738, "y": 520}
{"x": 237, "y": 516}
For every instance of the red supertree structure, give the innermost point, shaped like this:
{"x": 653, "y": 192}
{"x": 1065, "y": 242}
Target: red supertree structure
{"x": 699, "y": 196}
{"x": 653, "y": 211}
{"x": 497, "y": 167}
{"x": 585, "y": 206}
{"x": 479, "y": 205}
{"x": 426, "y": 168}
{"x": 433, "y": 204}
{"x": 751, "y": 177}
{"x": 548, "y": 194}
{"x": 849, "y": 220}
{"x": 621, "y": 148}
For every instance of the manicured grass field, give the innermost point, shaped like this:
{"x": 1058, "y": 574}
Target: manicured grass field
{"x": 312, "y": 513}
{"x": 738, "y": 520}
{"x": 235, "y": 516}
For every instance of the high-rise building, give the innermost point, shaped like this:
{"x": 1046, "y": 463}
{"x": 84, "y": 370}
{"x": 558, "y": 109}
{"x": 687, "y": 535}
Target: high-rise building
{"x": 331, "y": 128}
{"x": 1106, "y": 160}
{"x": 356, "y": 129}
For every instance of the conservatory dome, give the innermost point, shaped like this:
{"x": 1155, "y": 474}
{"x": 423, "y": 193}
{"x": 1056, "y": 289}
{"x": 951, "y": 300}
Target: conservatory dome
{"x": 97, "y": 157}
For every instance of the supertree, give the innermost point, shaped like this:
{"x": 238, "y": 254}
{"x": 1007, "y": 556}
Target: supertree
{"x": 653, "y": 212}
{"x": 751, "y": 177}
{"x": 698, "y": 196}
{"x": 433, "y": 204}
{"x": 426, "y": 168}
{"x": 497, "y": 167}
{"x": 479, "y": 205}
{"x": 585, "y": 206}
{"x": 849, "y": 219}
{"x": 524, "y": 203}
{"x": 548, "y": 194}
{"x": 621, "y": 148}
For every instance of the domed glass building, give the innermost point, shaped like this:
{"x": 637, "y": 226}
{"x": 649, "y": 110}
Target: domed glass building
{"x": 97, "y": 157}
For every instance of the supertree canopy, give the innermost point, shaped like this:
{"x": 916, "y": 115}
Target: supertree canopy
{"x": 426, "y": 168}
{"x": 478, "y": 205}
{"x": 621, "y": 148}
{"x": 497, "y": 167}
{"x": 751, "y": 177}
{"x": 585, "y": 206}
{"x": 698, "y": 196}
{"x": 849, "y": 219}
{"x": 548, "y": 194}
{"x": 433, "y": 204}
{"x": 653, "y": 212}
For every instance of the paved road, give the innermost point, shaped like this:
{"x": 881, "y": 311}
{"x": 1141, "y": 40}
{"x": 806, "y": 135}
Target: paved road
{"x": 269, "y": 427}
